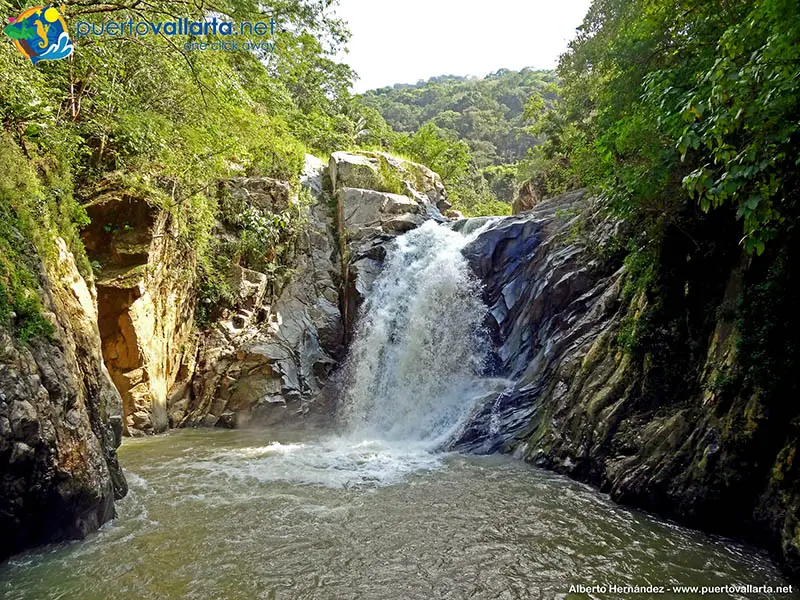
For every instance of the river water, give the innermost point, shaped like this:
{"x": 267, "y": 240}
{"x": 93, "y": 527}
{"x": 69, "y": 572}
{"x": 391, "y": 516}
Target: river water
{"x": 376, "y": 510}
{"x": 240, "y": 515}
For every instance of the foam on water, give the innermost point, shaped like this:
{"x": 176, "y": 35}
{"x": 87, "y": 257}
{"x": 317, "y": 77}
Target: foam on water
{"x": 285, "y": 520}
{"x": 335, "y": 462}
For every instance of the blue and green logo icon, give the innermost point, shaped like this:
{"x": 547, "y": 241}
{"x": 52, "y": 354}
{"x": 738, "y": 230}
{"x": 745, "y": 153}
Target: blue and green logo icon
{"x": 40, "y": 33}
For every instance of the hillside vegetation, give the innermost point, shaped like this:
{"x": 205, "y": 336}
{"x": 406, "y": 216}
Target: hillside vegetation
{"x": 141, "y": 117}
{"x": 670, "y": 109}
{"x": 487, "y": 113}
{"x": 487, "y": 118}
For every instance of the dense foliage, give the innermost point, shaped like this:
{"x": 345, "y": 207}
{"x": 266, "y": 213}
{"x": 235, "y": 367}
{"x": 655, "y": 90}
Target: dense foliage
{"x": 142, "y": 116}
{"x": 685, "y": 117}
{"x": 472, "y": 131}
{"x": 665, "y": 106}
{"x": 488, "y": 114}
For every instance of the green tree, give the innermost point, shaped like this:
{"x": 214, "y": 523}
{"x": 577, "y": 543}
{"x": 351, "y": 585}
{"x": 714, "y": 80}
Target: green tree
{"x": 661, "y": 103}
{"x": 144, "y": 117}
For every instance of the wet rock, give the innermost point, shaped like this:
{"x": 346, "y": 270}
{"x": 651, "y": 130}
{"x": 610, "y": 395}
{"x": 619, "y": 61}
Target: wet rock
{"x": 402, "y": 223}
{"x": 59, "y": 420}
{"x": 548, "y": 300}
{"x": 652, "y": 425}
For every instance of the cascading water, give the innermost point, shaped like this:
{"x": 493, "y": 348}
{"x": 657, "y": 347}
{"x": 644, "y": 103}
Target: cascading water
{"x": 414, "y": 366}
{"x": 412, "y": 377}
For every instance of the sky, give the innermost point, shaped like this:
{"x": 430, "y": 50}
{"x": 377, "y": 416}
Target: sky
{"x": 403, "y": 41}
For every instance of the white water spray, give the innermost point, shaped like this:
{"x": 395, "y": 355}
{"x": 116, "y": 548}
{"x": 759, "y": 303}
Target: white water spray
{"x": 413, "y": 377}
{"x": 413, "y": 372}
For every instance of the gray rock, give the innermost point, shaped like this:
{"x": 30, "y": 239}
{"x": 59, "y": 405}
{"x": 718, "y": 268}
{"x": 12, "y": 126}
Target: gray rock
{"x": 370, "y": 170}
{"x": 650, "y": 425}
{"x": 59, "y": 473}
{"x": 24, "y": 421}
{"x": 402, "y": 223}
{"x": 21, "y": 454}
{"x": 284, "y": 350}
{"x": 264, "y": 193}
{"x": 268, "y": 363}
{"x": 370, "y": 209}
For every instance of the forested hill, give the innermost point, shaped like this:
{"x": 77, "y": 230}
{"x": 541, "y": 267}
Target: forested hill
{"x": 487, "y": 113}
{"x": 484, "y": 121}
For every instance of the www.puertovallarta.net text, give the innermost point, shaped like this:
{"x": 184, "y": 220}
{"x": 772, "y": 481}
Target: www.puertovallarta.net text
{"x": 711, "y": 590}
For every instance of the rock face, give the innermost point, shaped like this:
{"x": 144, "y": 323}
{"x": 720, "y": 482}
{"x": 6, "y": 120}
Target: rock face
{"x": 60, "y": 421}
{"x": 266, "y": 362}
{"x": 546, "y": 298}
{"x": 646, "y": 395}
{"x": 369, "y": 219}
{"x": 383, "y": 172}
{"x": 146, "y": 296}
{"x": 269, "y": 354}
{"x": 270, "y": 359}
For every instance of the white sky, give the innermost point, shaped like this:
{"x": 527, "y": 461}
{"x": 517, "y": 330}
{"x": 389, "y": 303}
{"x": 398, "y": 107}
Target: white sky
{"x": 403, "y": 41}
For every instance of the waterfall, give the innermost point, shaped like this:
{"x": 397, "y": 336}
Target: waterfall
{"x": 412, "y": 377}
{"x": 414, "y": 366}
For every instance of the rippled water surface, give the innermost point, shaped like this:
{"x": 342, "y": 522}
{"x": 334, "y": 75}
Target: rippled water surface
{"x": 257, "y": 514}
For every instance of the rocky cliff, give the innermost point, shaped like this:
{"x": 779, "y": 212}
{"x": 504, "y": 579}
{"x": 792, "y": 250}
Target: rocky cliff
{"x": 145, "y": 279}
{"x": 669, "y": 396}
{"x": 677, "y": 397}
{"x": 265, "y": 359}
{"x": 60, "y": 419}
{"x": 377, "y": 198}
{"x": 269, "y": 358}
{"x": 126, "y": 356}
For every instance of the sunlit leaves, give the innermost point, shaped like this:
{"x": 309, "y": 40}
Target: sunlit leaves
{"x": 703, "y": 94}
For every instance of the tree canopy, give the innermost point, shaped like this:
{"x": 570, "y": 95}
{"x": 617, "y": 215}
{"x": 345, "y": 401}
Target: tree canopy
{"x": 485, "y": 123}
{"x": 142, "y": 116}
{"x": 663, "y": 104}
{"x": 488, "y": 113}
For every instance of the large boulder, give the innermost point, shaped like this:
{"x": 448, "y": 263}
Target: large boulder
{"x": 383, "y": 172}
{"x": 367, "y": 212}
{"x": 60, "y": 420}
{"x": 378, "y": 197}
